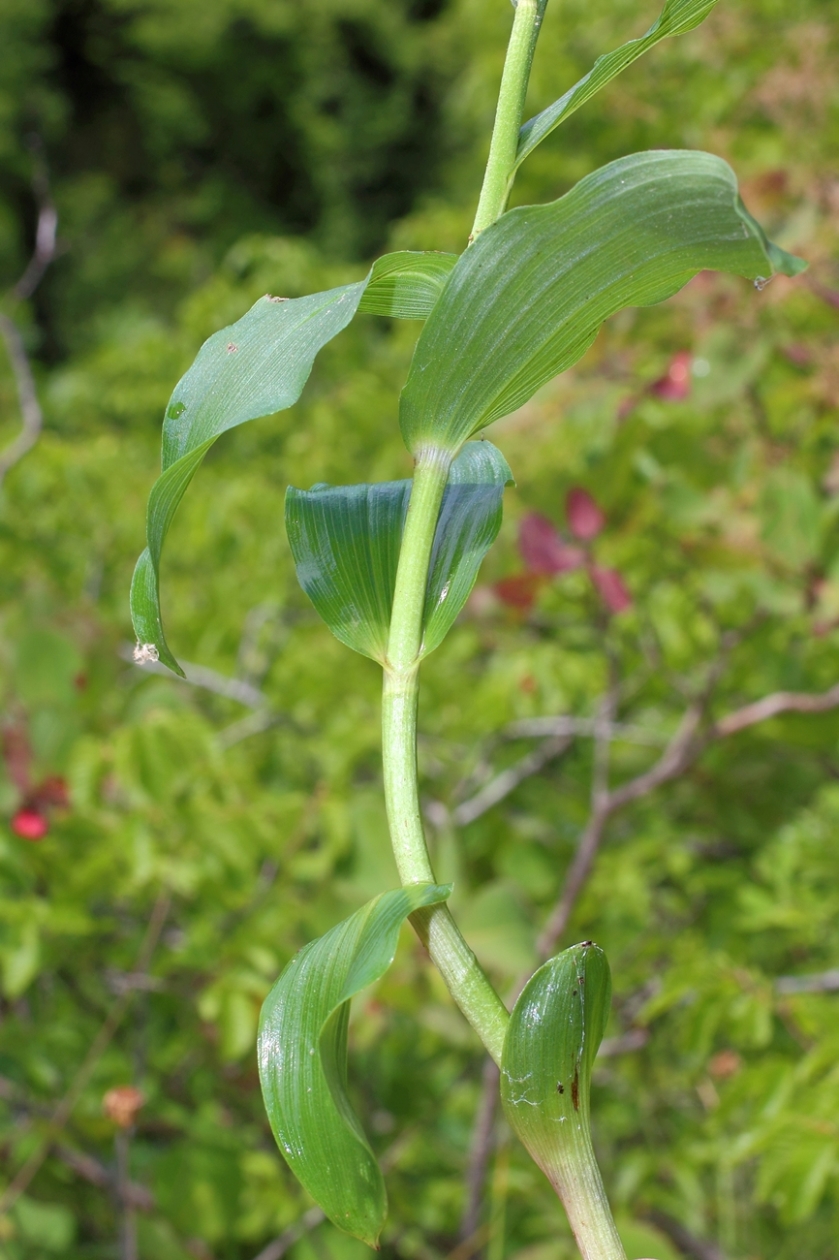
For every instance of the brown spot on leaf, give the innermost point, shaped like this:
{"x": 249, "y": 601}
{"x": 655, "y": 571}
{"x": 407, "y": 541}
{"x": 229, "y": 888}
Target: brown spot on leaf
{"x": 575, "y": 1091}
{"x": 560, "y": 1088}
{"x": 232, "y": 347}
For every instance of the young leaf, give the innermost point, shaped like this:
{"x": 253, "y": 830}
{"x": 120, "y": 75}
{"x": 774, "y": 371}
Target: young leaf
{"x": 253, "y": 368}
{"x": 345, "y": 541}
{"x": 555, "y": 1029}
{"x": 527, "y": 299}
{"x": 677, "y": 18}
{"x": 302, "y": 1051}
{"x": 406, "y": 285}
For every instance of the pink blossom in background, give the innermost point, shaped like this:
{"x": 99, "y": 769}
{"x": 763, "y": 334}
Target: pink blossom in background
{"x": 611, "y": 588}
{"x": 544, "y": 550}
{"x": 585, "y": 519}
{"x": 674, "y": 386}
{"x": 30, "y": 825}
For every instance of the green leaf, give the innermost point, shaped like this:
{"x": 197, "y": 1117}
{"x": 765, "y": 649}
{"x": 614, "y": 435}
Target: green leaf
{"x": 677, "y": 18}
{"x": 406, "y": 285}
{"x": 302, "y": 1052}
{"x": 552, "y": 1040}
{"x": 527, "y": 299}
{"x": 253, "y": 368}
{"x": 346, "y": 539}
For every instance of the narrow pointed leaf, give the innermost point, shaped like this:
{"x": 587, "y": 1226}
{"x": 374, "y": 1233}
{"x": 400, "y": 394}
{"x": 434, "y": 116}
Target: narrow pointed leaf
{"x": 550, "y": 1046}
{"x": 302, "y": 1052}
{"x": 253, "y": 368}
{"x": 406, "y": 285}
{"x": 677, "y": 18}
{"x": 527, "y": 299}
{"x": 346, "y": 539}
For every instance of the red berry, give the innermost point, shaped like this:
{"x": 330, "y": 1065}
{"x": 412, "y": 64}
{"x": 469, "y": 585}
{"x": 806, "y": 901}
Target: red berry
{"x": 30, "y": 825}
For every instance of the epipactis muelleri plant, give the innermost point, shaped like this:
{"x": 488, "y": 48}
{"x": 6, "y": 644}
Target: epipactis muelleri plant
{"x": 389, "y": 567}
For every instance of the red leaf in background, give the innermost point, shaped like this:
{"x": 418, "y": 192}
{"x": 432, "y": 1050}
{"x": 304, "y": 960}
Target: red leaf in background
{"x": 50, "y": 791}
{"x": 674, "y": 386}
{"x": 543, "y": 549}
{"x": 30, "y": 825}
{"x": 18, "y": 756}
{"x": 518, "y": 591}
{"x": 611, "y": 588}
{"x": 585, "y": 518}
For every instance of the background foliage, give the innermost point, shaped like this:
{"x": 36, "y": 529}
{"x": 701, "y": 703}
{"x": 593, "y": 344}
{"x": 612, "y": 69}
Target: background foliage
{"x": 201, "y": 155}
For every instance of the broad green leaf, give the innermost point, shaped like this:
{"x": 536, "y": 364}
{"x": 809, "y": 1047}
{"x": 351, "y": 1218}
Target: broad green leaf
{"x": 302, "y": 1051}
{"x": 406, "y": 285}
{"x": 677, "y": 18}
{"x": 552, "y": 1039}
{"x": 527, "y": 299}
{"x": 253, "y": 368}
{"x": 346, "y": 539}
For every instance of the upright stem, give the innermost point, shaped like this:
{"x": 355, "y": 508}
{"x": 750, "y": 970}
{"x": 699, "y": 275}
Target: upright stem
{"x": 435, "y": 926}
{"x": 505, "y": 134}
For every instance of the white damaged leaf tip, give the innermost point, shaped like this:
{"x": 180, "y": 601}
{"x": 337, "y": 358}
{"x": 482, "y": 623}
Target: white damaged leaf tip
{"x": 146, "y": 654}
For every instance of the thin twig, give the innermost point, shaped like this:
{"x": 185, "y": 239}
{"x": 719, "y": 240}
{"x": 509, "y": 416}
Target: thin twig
{"x": 565, "y": 725}
{"x": 508, "y": 780}
{"x": 821, "y": 982}
{"x": 30, "y": 409}
{"x": 92, "y": 1171}
{"x": 480, "y": 1150}
{"x": 61, "y": 1115}
{"x": 46, "y": 229}
{"x": 689, "y": 1245}
{"x": 206, "y": 679}
{"x": 128, "y": 1222}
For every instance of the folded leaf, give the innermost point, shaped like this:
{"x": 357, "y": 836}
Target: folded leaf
{"x": 551, "y": 1043}
{"x": 346, "y": 539}
{"x": 527, "y": 299}
{"x": 406, "y": 285}
{"x": 253, "y": 368}
{"x": 302, "y": 1052}
{"x": 677, "y": 18}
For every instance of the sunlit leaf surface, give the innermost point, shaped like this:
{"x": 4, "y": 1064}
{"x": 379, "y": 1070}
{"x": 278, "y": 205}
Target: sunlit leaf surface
{"x": 526, "y": 300}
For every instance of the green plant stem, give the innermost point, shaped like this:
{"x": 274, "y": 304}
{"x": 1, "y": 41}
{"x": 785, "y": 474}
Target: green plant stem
{"x": 575, "y": 1176}
{"x": 435, "y": 926}
{"x": 503, "y": 147}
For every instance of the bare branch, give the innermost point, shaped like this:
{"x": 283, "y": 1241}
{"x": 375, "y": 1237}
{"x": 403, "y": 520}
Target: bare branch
{"x": 30, "y": 409}
{"x": 821, "y": 982}
{"x": 772, "y": 706}
{"x": 508, "y": 780}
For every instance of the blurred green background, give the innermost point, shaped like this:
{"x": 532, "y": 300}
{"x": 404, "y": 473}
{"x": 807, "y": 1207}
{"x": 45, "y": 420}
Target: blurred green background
{"x": 201, "y": 153}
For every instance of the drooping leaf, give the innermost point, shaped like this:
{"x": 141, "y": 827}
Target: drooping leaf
{"x": 552, "y": 1039}
{"x": 302, "y": 1051}
{"x": 253, "y": 368}
{"x": 345, "y": 541}
{"x": 677, "y": 18}
{"x": 406, "y": 285}
{"x": 527, "y": 299}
